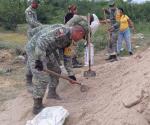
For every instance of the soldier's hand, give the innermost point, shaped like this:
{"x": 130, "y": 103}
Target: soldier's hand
{"x": 73, "y": 78}
{"x": 38, "y": 65}
{"x": 111, "y": 29}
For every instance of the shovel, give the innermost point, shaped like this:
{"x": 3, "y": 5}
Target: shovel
{"x": 83, "y": 88}
{"x": 109, "y": 36}
{"x": 89, "y": 73}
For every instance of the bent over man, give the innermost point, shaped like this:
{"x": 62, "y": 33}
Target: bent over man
{"x": 40, "y": 51}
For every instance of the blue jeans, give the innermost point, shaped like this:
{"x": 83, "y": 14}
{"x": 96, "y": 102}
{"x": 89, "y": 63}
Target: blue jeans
{"x": 126, "y": 35}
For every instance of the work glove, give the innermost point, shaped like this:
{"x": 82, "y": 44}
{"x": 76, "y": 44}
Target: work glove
{"x": 38, "y": 65}
{"x": 73, "y": 78}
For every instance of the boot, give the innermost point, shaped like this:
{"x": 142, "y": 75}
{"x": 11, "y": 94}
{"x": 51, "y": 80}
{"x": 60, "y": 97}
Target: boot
{"x": 75, "y": 63}
{"x": 29, "y": 84}
{"x": 109, "y": 58}
{"x": 130, "y": 53}
{"x": 52, "y": 94}
{"x": 38, "y": 106}
{"x": 114, "y": 58}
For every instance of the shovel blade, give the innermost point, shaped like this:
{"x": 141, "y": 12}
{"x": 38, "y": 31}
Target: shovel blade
{"x": 89, "y": 73}
{"x": 84, "y": 88}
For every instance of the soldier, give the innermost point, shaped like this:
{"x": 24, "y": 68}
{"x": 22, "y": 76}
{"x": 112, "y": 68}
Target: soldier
{"x": 31, "y": 18}
{"x": 40, "y": 51}
{"x": 113, "y": 30}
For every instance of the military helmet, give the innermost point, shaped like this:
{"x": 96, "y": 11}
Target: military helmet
{"x": 78, "y": 20}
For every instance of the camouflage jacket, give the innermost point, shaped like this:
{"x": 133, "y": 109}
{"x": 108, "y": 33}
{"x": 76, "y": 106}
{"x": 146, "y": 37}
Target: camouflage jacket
{"x": 31, "y": 18}
{"x": 112, "y": 16}
{"x": 47, "y": 41}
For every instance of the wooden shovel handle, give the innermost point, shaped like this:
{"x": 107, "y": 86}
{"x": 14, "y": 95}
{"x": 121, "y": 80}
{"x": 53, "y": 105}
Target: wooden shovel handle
{"x": 61, "y": 76}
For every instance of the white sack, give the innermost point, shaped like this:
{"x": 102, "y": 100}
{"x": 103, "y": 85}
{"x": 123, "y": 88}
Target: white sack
{"x": 95, "y": 24}
{"x": 86, "y": 55}
{"x": 50, "y": 116}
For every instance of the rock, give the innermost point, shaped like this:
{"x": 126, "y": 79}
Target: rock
{"x": 132, "y": 100}
{"x": 19, "y": 59}
{"x": 137, "y": 47}
{"x": 147, "y": 114}
{"x": 138, "y": 36}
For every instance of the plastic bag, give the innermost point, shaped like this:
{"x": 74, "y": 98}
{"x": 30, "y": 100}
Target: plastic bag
{"x": 50, "y": 116}
{"x": 95, "y": 24}
{"x": 86, "y": 54}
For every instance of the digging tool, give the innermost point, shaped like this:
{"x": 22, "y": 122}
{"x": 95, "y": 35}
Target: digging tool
{"x": 89, "y": 73}
{"x": 83, "y": 88}
{"x": 109, "y": 36}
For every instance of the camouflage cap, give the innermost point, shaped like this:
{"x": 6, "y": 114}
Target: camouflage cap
{"x": 111, "y": 3}
{"x": 31, "y": 1}
{"x": 78, "y": 20}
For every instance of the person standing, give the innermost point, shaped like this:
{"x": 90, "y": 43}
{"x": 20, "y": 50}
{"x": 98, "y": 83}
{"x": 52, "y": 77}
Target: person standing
{"x": 31, "y": 16}
{"x": 113, "y": 30}
{"x": 124, "y": 32}
{"x": 31, "y": 19}
{"x": 71, "y": 51}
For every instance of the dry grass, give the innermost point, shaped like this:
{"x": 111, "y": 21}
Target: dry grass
{"x": 16, "y": 38}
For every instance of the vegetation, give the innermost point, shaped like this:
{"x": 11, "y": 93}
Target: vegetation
{"x": 53, "y": 11}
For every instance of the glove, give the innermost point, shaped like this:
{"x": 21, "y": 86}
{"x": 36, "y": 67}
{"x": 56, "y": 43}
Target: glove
{"x": 73, "y": 78}
{"x": 38, "y": 65}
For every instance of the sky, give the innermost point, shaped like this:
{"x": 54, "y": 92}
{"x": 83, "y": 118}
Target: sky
{"x": 138, "y": 1}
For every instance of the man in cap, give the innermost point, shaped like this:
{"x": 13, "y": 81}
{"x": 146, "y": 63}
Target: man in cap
{"x": 113, "y": 30}
{"x": 31, "y": 18}
{"x": 40, "y": 51}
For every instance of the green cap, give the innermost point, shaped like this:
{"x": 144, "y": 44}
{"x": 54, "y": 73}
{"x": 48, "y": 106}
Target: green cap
{"x": 111, "y": 3}
{"x": 78, "y": 20}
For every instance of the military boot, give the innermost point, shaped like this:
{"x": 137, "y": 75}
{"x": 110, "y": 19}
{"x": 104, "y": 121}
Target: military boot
{"x": 109, "y": 58}
{"x": 38, "y": 106}
{"x": 52, "y": 94}
{"x": 75, "y": 63}
{"x": 114, "y": 58}
{"x": 29, "y": 84}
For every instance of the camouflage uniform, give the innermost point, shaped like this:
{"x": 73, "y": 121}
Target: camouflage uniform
{"x": 67, "y": 61}
{"x": 43, "y": 46}
{"x": 113, "y": 35}
{"x": 31, "y": 18}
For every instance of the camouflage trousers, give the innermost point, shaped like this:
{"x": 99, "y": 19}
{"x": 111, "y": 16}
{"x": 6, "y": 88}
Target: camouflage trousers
{"x": 112, "y": 46}
{"x": 42, "y": 79}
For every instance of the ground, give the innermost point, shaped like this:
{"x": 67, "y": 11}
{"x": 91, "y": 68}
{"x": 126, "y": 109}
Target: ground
{"x": 118, "y": 95}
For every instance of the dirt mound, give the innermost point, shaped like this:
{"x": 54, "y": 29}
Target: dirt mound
{"x": 118, "y": 95}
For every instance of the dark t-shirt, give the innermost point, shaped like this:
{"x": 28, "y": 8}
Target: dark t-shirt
{"x": 68, "y": 17}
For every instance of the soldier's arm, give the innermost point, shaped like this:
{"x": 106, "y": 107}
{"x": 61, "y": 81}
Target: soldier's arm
{"x": 37, "y": 29}
{"x": 30, "y": 19}
{"x": 43, "y": 44}
{"x": 116, "y": 25}
{"x": 106, "y": 10}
